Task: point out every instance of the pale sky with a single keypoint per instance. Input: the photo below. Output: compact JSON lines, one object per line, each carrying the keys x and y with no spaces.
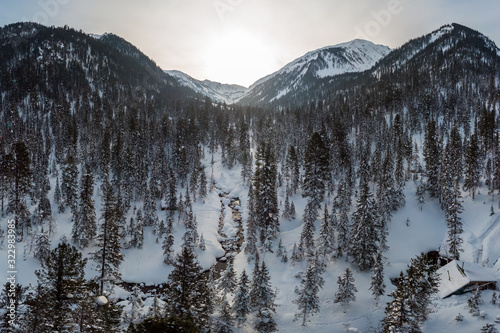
{"x":240,"y":41}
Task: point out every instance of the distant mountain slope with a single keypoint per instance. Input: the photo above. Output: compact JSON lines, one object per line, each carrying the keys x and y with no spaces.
{"x":301,"y":74}
{"x":219,"y":92}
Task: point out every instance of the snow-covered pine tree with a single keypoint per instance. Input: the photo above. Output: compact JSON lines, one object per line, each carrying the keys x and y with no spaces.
{"x":432,"y":153}
{"x":474,"y":301}
{"x":345,"y":293}
{"x":188,"y":294}
{"x":326,"y":240}
{"x":227,"y":282}
{"x":155,"y":311}
{"x":364,"y":236}
{"x":150,"y":215}
{"x":241,"y":301}
{"x":377,"y":284}
{"x":308,"y":293}
{"x":225,"y":320}
{"x":108,"y":255}
{"x":265,"y":296}
{"x":69,"y":185}
{"x":454,"y":223}
{"x":251,"y":227}
{"x":292,"y":165}
{"x":420,"y":195}
{"x":61,"y":274}
{"x":265,"y":195}
{"x":306,"y":245}
{"x":316,"y":171}
{"x":343,"y":201}
{"x":472,"y":166}
{"x":42,"y":246}
{"x":398,"y":313}
{"x":85,"y":223}
{"x":136,"y":305}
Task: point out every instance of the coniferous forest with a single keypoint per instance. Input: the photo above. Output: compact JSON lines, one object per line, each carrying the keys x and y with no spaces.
{"x":107,"y":162}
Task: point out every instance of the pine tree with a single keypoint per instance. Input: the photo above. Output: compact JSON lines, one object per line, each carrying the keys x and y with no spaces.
{"x":343,"y":226}
{"x":474,"y":301}
{"x":454,"y":223}
{"x":69,"y":185}
{"x":42,"y":246}
{"x":62,"y":286}
{"x":377,"y":284}
{"x":316,"y":170}
{"x":155,"y":309}
{"x":227,"y":282}
{"x":20,"y":175}
{"x":308,"y":298}
{"x":398,"y":313}
{"x":364,"y":235}
{"x":168,"y":243}
{"x":264,"y":296}
{"x":136,"y":305}
{"x":472,"y":166}
{"x":326,"y":241}
{"x":265,"y":195}
{"x":85,"y":224}
{"x":345,"y":293}
{"x":241,"y":302}
{"x":292,"y":164}
{"x":431,"y":156}
{"x":109,"y":256}
{"x":225,"y":320}
{"x":188,"y":294}
{"x":306,"y":245}
{"x":420,"y":195}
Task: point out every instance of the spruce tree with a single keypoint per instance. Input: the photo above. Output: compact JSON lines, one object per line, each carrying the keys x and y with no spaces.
{"x":431,"y":157}
{"x":377,"y":284}
{"x":316,"y":170}
{"x":108,"y":256}
{"x":472,"y":166}
{"x":345,"y":293}
{"x":265,"y":195}
{"x":265,"y":301}
{"x":306,"y":245}
{"x":241,"y":302}
{"x":308,"y":298}
{"x":454,"y":223}
{"x":364,"y":236}
{"x":326,"y":241}
{"x":69,"y":185}
{"x":398,"y":313}
{"x":62,"y":282}
{"x":85,"y":225}
{"x":188,"y":294}
{"x":225,"y":319}
{"x":227,"y":282}
{"x":19,"y":173}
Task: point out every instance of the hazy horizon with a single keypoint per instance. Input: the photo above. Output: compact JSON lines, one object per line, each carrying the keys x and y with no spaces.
{"x":241,"y":41}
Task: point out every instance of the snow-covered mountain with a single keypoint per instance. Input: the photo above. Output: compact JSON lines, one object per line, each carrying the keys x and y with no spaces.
{"x":350,"y":57}
{"x":219,"y":92}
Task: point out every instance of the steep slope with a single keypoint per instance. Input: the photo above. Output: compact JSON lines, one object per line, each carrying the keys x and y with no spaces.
{"x":301,"y":74}
{"x":219,"y":92}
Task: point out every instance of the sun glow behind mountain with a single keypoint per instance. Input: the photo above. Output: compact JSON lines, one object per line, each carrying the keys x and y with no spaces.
{"x":235,"y":54}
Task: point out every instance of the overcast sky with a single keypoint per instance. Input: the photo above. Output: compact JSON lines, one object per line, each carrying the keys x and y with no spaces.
{"x":240,"y":41}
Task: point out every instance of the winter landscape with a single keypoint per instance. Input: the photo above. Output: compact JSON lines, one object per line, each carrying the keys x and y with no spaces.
{"x":355,"y":189}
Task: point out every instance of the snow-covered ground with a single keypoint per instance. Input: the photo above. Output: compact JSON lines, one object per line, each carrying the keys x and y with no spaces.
{"x":411,"y":232}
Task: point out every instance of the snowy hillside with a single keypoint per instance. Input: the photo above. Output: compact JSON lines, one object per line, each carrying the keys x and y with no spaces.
{"x":218,"y":92}
{"x":354,"y":56}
